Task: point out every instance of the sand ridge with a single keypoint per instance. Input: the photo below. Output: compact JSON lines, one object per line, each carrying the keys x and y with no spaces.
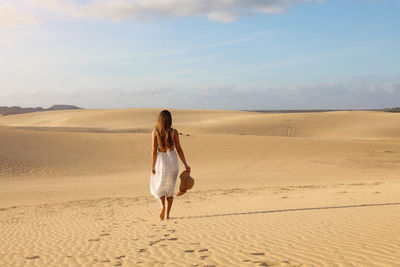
{"x":335,"y":124}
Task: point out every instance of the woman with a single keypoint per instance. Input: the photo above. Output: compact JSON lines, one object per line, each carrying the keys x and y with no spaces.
{"x":164,"y":167}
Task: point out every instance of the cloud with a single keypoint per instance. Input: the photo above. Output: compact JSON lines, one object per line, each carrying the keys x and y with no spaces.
{"x":353,"y":94}
{"x":117,"y":10}
{"x":10,"y":16}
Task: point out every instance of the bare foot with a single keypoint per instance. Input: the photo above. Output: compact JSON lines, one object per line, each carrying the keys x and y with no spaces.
{"x":162,"y":214}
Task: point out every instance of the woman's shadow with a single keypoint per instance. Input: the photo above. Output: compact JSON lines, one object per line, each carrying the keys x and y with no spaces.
{"x":291,"y":210}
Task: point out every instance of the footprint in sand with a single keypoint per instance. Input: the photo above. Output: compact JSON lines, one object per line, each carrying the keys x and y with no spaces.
{"x":32,"y":257}
{"x":142,"y":250}
{"x":120,"y":257}
{"x":105,"y":234}
{"x":94,"y":239}
{"x":189,"y":251}
{"x":203,"y":250}
{"x":173,"y":239}
{"x":152,"y":243}
{"x":258,"y":253}
{"x":118,"y":264}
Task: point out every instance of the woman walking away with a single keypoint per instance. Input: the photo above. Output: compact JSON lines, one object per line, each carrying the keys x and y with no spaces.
{"x":164,"y":167}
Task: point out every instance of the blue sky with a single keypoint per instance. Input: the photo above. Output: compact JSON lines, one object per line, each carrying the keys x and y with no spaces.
{"x":200,"y":54}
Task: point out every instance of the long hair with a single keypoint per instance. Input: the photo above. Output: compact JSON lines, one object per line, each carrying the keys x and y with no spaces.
{"x":163,"y":130}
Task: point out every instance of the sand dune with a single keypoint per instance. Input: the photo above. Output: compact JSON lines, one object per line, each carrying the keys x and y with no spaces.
{"x":304,"y":189}
{"x":336,"y":124}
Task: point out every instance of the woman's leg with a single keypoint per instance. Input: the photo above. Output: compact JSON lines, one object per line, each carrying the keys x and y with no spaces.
{"x":162,"y":214}
{"x":169,"y":200}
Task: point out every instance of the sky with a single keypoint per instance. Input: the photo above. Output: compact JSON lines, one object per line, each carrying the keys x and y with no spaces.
{"x":200,"y":54}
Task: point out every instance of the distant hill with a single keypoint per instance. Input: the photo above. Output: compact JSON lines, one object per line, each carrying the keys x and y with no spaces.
{"x":62,"y":107}
{"x":4,"y":111}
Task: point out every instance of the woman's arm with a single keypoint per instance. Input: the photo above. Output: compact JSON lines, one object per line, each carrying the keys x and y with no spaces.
{"x":180,"y":150}
{"x":154,"y":152}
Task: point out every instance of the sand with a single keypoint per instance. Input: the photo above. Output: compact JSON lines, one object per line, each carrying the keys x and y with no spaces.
{"x":303,"y":189}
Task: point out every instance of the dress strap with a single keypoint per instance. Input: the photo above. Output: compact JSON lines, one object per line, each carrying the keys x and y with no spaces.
{"x":173,"y":133}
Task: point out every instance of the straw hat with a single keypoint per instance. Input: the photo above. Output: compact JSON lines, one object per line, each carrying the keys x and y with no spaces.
{"x":187,"y":182}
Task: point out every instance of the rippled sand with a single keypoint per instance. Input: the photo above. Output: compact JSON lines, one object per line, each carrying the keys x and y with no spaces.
{"x":304,"y":189}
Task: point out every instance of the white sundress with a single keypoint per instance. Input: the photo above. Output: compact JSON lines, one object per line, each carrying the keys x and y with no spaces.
{"x":163,"y":182}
